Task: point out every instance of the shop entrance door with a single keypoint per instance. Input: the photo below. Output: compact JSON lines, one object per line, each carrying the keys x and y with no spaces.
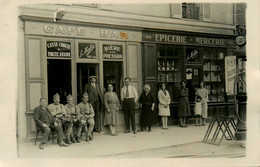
{"x":193,"y":77}
{"x":113,"y":75}
{"x":84,"y":71}
{"x":59,"y":79}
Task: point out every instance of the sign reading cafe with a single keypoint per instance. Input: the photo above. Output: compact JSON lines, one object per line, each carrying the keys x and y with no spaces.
{"x":58,"y":49}
{"x":112,"y":52}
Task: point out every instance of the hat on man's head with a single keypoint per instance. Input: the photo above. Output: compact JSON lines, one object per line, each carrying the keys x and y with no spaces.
{"x":69,"y":97}
{"x":93,"y":76}
{"x":85,"y":94}
{"x":56,"y":96}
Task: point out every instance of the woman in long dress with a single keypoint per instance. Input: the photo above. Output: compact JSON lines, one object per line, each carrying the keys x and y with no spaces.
{"x":147,"y":114}
{"x":112,"y":106}
{"x":203,"y":93}
{"x":183,"y":106}
{"x":164,"y":102}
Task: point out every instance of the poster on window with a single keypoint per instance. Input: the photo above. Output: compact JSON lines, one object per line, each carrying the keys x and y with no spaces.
{"x":192,"y":55}
{"x":58,"y":49}
{"x":112,"y":52}
{"x":87,"y":50}
{"x":230,"y":73}
{"x":188,"y":73}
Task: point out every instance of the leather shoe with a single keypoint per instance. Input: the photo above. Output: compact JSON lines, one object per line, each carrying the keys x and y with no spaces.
{"x":127,"y":131}
{"x":73,"y":140}
{"x":134,"y":132}
{"x":42,"y":146}
{"x":140,"y":130}
{"x":90,"y":137}
{"x":77,"y":140}
{"x":62,"y":144}
{"x":87,"y":138}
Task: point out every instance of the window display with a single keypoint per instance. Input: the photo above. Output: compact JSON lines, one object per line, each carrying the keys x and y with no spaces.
{"x":213,"y":77}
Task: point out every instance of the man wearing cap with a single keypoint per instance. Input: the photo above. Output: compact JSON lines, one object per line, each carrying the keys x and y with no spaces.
{"x":95,"y":99}
{"x":87,"y":116}
{"x":129,"y":98}
{"x":58,"y":111}
{"x":45,"y":121}
{"x":72,"y":115}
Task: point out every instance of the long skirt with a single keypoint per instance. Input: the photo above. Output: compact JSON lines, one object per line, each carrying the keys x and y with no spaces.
{"x":184,"y":107}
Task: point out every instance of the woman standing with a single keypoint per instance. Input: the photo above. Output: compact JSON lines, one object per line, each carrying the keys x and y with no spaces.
{"x":148,"y":103}
{"x":203,"y":93}
{"x":164,"y":102}
{"x":183,"y":106}
{"x":112,"y":106}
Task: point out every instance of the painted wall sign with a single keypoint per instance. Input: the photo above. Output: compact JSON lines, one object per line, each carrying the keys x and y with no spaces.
{"x":186,"y":39}
{"x":67,"y":30}
{"x":87,"y":50}
{"x":230,"y":72}
{"x":58,"y":49}
{"x":112,"y":51}
{"x":192,"y":55}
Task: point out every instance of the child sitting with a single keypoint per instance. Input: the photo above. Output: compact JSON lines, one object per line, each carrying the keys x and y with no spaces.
{"x":197,"y":111}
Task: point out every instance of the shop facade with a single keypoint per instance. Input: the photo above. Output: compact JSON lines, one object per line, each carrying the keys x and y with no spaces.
{"x":190,"y":57}
{"x":61,"y":57}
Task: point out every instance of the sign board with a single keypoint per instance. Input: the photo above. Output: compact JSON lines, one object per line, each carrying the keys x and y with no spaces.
{"x":187,"y":39}
{"x":58,"y":49}
{"x":87,"y":50}
{"x":230,"y":73}
{"x":112,"y":51}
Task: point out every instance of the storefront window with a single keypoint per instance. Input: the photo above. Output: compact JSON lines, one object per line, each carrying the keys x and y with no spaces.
{"x":169,"y":67}
{"x":213,"y":77}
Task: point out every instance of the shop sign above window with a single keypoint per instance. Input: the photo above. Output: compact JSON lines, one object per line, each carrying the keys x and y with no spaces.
{"x":58,"y":49}
{"x":112,"y":52}
{"x":87,"y":50}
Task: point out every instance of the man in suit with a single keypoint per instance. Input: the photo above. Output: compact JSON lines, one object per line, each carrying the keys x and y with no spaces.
{"x":95,"y":99}
{"x":129,"y":98}
{"x":45,"y":121}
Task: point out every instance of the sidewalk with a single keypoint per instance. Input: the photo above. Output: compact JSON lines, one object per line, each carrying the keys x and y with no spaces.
{"x":105,"y":145}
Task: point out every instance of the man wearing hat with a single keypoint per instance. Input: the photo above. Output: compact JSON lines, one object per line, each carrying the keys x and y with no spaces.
{"x":45,"y":121}
{"x":72,"y":115}
{"x":58,"y":111}
{"x":95,"y":99}
{"x":86,"y":116}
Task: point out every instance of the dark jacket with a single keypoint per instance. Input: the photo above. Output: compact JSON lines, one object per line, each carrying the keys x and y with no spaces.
{"x":42,"y":117}
{"x":94,"y":95}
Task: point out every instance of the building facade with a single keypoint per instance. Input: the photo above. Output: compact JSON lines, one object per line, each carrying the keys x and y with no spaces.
{"x":61,"y":45}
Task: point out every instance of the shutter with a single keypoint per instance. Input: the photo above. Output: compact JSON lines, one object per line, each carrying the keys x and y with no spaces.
{"x":206,"y":12}
{"x":176,"y":10}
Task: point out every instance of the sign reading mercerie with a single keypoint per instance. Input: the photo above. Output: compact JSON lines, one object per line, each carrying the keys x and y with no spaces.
{"x":58,"y":49}
{"x":186,"y":39}
{"x":112,"y":52}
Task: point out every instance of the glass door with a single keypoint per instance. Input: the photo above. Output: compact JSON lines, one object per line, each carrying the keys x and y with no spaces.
{"x":84,"y":71}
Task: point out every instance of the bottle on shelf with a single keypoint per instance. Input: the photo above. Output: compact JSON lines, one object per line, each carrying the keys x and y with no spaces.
{"x":172,"y":65}
{"x":159,"y":65}
{"x":167,"y":65}
{"x":167,"y":77}
{"x":163,"y":66}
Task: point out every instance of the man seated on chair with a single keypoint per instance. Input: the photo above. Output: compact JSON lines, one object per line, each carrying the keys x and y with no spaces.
{"x":73,"y":114}
{"x":87,"y":116}
{"x":58,"y":111}
{"x":45,"y":121}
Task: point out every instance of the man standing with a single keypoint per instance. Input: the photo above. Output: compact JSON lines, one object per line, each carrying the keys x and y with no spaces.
{"x":86,"y":116}
{"x":129,"y":98}
{"x":45,"y":122}
{"x":95,"y":99}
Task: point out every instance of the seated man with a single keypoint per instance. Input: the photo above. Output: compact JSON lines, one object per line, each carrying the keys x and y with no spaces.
{"x":72,"y":115}
{"x":58,"y":111}
{"x":45,"y":121}
{"x":87,"y":116}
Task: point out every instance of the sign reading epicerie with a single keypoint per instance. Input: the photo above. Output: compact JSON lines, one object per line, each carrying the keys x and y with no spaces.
{"x":58,"y":49}
{"x":185,"y":39}
{"x":112,"y":52}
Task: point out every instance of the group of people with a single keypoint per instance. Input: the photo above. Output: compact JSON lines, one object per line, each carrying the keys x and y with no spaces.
{"x":70,"y":120}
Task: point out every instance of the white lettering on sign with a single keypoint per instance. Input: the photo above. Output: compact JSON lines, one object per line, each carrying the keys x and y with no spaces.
{"x":112,"y":56}
{"x":170,"y":38}
{"x":209,"y":41}
{"x":64,"y":30}
{"x":113,"y":34}
{"x":112,"y":48}
{"x":192,"y":55}
{"x":58,"y":44}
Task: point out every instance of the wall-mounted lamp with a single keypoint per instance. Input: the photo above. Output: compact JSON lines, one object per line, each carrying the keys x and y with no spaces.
{"x":59,"y":14}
